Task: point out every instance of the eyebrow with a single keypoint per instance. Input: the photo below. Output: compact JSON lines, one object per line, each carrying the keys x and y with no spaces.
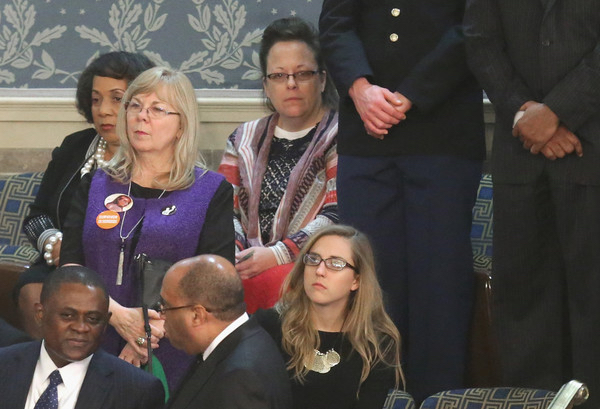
{"x":155,"y":102}
{"x":297,"y":66}
{"x":110,"y":90}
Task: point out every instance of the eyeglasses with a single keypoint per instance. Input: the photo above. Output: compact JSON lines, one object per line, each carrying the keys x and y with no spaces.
{"x":161,"y":309}
{"x":155,"y":112}
{"x":332,"y":263}
{"x":300,"y":76}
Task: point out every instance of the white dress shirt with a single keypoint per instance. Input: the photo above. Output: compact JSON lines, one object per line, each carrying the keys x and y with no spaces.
{"x":71,"y":374}
{"x":228,"y":330}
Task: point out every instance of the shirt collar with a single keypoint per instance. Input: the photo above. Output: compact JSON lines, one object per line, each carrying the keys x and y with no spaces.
{"x":228,"y":330}
{"x":71,"y":374}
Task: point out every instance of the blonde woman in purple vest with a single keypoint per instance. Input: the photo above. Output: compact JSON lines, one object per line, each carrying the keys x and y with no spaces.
{"x":178,"y":209}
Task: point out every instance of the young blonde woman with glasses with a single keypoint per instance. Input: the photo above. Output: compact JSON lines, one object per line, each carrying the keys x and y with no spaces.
{"x":342,"y":349}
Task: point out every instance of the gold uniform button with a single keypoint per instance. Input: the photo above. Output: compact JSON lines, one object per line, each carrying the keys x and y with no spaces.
{"x":395,"y":12}
{"x":393,"y":37}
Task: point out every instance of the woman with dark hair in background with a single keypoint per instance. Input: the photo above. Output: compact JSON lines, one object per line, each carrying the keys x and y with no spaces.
{"x":342,"y":349}
{"x":99,"y":91}
{"x":283,"y":167}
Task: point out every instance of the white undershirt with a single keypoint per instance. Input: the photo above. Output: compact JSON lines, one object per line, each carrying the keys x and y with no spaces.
{"x":228,"y":330}
{"x":72,"y":375}
{"x":290,"y":136}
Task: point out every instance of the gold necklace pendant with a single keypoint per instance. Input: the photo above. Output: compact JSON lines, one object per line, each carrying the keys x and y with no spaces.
{"x":323,"y":362}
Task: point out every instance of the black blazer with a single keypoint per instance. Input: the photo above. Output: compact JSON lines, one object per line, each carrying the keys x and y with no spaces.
{"x":245,"y":371}
{"x":427,"y":64}
{"x":109,"y":383}
{"x":542,"y":50}
{"x":62,"y":177}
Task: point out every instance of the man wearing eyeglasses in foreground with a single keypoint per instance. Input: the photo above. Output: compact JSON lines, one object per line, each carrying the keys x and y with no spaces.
{"x":67,"y":370}
{"x":239,"y":365}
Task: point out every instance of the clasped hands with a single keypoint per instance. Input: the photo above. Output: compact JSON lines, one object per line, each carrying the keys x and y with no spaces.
{"x":129,"y":323}
{"x":379,"y":108}
{"x":540,"y":131}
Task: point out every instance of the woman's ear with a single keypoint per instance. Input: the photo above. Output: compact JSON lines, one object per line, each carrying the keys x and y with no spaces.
{"x":266,"y":88}
{"x":355,"y":283}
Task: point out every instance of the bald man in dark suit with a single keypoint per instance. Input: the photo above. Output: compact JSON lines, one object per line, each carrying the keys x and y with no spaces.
{"x":239,"y":366}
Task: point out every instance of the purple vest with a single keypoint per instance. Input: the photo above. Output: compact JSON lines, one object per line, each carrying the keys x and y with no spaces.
{"x":169,"y":237}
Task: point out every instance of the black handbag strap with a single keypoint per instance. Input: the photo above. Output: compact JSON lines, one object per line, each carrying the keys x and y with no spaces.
{"x":141,"y":260}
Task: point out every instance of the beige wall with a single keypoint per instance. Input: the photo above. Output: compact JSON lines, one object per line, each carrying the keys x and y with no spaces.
{"x":33,"y":122}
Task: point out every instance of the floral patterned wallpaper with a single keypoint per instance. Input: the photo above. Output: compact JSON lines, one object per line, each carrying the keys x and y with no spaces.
{"x":47,"y":43}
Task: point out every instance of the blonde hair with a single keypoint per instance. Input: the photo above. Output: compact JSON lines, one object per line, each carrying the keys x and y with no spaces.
{"x":367,"y":326}
{"x":174,"y":88}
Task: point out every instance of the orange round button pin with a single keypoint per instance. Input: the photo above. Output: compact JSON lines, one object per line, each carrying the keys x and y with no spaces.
{"x":108,"y":219}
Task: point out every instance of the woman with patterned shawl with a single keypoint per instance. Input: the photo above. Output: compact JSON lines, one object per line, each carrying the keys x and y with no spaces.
{"x":283,"y":166}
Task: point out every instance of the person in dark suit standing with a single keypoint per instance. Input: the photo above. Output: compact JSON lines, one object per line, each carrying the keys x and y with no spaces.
{"x":66,"y":369}
{"x":239,"y":365}
{"x":410,"y":145}
{"x":539,"y":62}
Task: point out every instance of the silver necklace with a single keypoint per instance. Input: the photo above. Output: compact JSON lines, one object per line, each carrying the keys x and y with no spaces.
{"x":123,"y":238}
{"x":323,"y":362}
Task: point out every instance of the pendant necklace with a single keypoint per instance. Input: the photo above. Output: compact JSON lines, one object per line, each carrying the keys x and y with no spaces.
{"x":323,"y":362}
{"x":123,"y":238}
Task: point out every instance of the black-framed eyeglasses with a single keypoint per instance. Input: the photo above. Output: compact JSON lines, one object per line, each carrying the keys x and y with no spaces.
{"x":161,"y":309}
{"x":300,"y":76}
{"x":155,"y":112}
{"x":332,"y":263}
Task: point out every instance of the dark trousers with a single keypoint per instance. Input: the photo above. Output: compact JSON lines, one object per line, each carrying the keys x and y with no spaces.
{"x":417,"y":212}
{"x":546,"y":284}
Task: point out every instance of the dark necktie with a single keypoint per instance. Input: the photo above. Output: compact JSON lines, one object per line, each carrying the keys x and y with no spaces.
{"x":49,"y":399}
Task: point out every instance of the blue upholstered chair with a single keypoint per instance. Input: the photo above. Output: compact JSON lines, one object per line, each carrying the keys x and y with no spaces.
{"x":398,"y":399}
{"x":17,"y":192}
{"x":481,"y":228}
{"x":572,"y":393}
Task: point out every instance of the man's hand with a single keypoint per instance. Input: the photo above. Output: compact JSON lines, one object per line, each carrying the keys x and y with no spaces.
{"x":406,"y":104}
{"x":562,"y":143}
{"x":379,"y":108}
{"x":536,"y":127}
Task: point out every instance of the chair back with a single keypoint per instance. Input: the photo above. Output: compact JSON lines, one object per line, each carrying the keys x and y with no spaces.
{"x":570,"y":394}
{"x":398,"y":399}
{"x":490,"y":398}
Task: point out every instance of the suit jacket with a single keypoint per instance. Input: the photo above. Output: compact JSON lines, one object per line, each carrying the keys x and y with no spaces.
{"x":109,"y":383}
{"x":426,"y":63}
{"x":547,"y":51}
{"x":244,"y":371}
{"x":10,"y":335}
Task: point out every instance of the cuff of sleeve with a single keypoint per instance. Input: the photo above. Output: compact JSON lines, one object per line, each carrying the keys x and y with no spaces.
{"x":281,"y":253}
{"x":518,"y":116}
{"x":36,"y":226}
